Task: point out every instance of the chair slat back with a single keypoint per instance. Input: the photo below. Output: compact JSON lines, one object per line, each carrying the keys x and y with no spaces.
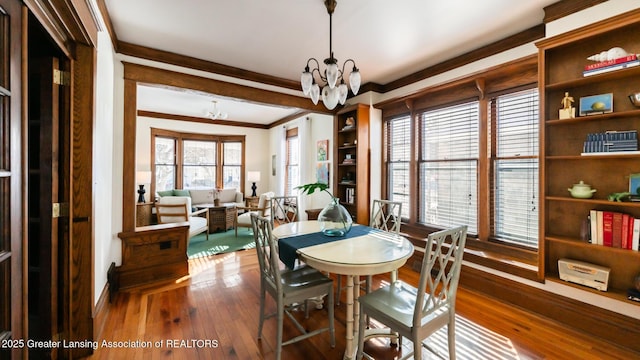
{"x":385,"y":215}
{"x":264,"y":204}
{"x":440,"y":271}
{"x":171,"y":213}
{"x":267,"y":250}
{"x":284,"y":209}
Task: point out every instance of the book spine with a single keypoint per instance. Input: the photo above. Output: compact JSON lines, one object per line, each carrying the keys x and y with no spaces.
{"x":600,"y":224}
{"x":593,"y":219}
{"x":625,"y":231}
{"x":616,"y":230}
{"x":611,"y":68}
{"x":607,"y":63}
{"x":607,"y":228}
{"x":635,"y":242}
{"x":630,"y":233}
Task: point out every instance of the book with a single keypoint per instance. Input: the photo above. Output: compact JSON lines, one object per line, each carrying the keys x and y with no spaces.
{"x":599,"y":220}
{"x":635,"y":240}
{"x":593,"y":219}
{"x":616,"y":230}
{"x":607,"y":63}
{"x":605,"y":69}
{"x":624,"y":238}
{"x":607,"y":228}
{"x":630,"y":233}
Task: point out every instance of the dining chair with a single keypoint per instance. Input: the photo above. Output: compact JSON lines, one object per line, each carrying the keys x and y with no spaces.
{"x":244,"y":219}
{"x":289,"y":288}
{"x":418,"y":313}
{"x":284,"y":210}
{"x":385,"y":216}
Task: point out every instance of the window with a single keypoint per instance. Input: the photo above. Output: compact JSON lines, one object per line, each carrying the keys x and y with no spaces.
{"x":515,"y":168}
{"x":196,"y":161}
{"x":475,"y":162}
{"x":199,"y":164}
{"x":292,"y":176}
{"x":448,"y":168}
{"x":399,"y":152}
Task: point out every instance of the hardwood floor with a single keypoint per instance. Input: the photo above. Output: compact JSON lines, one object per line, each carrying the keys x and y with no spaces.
{"x":213,"y":314}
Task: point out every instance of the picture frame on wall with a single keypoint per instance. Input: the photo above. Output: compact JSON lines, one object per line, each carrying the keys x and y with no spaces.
{"x":322,"y":150}
{"x":634,"y":184}
{"x":322,"y":173}
{"x":596,"y":104}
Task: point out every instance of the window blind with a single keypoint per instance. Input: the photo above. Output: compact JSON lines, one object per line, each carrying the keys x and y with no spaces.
{"x":515,"y":189}
{"x":165,"y":163}
{"x":448,"y":166}
{"x":231,"y":164}
{"x":398,"y":160}
{"x":293,"y":170}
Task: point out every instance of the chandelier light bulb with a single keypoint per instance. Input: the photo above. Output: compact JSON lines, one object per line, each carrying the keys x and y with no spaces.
{"x":354,"y":80}
{"x":330,"y":97}
{"x":343,"y":91}
{"x":306,"y":79}
{"x":314,"y":93}
{"x":332,"y":73}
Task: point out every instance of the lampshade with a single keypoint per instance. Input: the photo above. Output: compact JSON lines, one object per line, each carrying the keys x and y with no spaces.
{"x":253,"y":176}
{"x":143,"y":177}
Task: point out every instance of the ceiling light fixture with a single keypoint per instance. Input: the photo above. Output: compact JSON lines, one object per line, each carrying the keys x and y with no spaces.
{"x":333,"y":92}
{"x":216,"y":114}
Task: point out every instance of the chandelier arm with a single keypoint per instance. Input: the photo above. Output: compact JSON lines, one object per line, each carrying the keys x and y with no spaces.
{"x":317,"y":69}
{"x":345,"y":64}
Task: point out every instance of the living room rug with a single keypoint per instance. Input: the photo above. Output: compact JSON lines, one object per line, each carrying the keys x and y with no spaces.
{"x":219,"y":243}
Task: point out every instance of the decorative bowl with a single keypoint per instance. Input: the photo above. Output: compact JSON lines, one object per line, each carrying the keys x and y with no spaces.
{"x":635,"y":99}
{"x":581,"y":190}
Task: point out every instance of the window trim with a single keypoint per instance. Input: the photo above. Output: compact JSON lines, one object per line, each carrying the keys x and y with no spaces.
{"x":179,"y":137}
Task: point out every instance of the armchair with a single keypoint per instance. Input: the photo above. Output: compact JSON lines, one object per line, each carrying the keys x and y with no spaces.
{"x":171,"y":209}
{"x":263,"y":210}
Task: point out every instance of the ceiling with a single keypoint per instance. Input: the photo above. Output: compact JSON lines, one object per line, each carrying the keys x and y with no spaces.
{"x":277,"y":37}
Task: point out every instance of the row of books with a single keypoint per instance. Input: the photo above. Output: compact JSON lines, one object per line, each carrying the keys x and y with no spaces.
{"x":614,"y":229}
{"x":350,"y":195}
{"x":611,"y":141}
{"x":611,"y":65}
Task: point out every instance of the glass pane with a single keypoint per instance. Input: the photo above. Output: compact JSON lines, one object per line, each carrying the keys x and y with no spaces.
{"x":199,"y":176}
{"x":231,"y":177}
{"x":165,"y":177}
{"x":451,"y":133}
{"x":165,"y":151}
{"x":517,"y":127}
{"x":199,"y":153}
{"x":232,"y":153}
{"x":399,"y":147}
{"x":449,"y":193}
{"x":517,"y":196}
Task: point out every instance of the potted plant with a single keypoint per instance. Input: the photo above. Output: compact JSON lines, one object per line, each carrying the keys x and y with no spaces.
{"x":334,"y":219}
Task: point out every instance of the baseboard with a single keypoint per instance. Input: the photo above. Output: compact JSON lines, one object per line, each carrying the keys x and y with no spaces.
{"x":101,"y":312}
{"x":599,"y":323}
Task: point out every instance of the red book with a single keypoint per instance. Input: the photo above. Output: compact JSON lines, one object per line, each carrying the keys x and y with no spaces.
{"x":607,"y":228}
{"x":616,"y":229}
{"x":630,"y":236}
{"x":625,"y":231}
{"x":619,"y":60}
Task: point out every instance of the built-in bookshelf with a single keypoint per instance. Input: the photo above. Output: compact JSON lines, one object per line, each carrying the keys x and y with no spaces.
{"x":351,"y":163}
{"x":563,"y":218}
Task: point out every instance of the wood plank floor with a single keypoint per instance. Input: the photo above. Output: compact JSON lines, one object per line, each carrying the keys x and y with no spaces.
{"x":213,"y":314}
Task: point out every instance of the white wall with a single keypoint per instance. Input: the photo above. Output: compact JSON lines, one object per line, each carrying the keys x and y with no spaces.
{"x":104,"y":207}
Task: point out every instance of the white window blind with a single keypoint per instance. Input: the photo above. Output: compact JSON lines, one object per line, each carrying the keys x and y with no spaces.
{"x":448,"y":167}
{"x":199,"y":164}
{"x":516,"y":168}
{"x":398,"y":159}
{"x":293,"y":172}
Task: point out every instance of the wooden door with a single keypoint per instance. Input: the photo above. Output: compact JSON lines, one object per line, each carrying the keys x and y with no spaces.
{"x":11,"y":259}
{"x":48,"y":225}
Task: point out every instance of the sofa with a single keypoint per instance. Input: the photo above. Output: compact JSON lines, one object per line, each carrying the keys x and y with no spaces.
{"x":207,"y":196}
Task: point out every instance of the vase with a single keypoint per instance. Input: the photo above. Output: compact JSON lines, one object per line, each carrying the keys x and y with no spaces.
{"x":334,"y":219}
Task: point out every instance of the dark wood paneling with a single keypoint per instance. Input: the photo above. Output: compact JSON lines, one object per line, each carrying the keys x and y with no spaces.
{"x":129,"y":157}
{"x":563,"y":8}
{"x":157,"y":115}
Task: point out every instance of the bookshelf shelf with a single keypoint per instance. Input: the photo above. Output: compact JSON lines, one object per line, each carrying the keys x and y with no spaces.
{"x":609,"y":116}
{"x":613,"y":293}
{"x":592,"y":201}
{"x":595,"y":79}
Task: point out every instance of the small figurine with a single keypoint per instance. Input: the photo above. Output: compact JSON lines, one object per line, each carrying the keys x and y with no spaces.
{"x":567,"y":111}
{"x":621,"y":196}
{"x":611,"y":54}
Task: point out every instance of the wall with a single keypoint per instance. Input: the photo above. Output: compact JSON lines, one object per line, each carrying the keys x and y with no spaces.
{"x":104,"y":171}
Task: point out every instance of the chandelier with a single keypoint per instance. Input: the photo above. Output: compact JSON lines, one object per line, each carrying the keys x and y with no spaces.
{"x":334,"y":91}
{"x":216,"y":114}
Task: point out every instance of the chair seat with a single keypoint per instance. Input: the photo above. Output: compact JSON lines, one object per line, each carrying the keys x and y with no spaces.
{"x":301,"y":278}
{"x":196,"y":224}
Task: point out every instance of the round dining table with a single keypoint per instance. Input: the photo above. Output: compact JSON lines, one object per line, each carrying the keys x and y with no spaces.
{"x":374,"y":252}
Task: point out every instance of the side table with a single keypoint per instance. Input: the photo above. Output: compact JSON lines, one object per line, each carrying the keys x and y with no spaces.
{"x":143,"y":214}
{"x":251,"y":201}
{"x":221,"y":218}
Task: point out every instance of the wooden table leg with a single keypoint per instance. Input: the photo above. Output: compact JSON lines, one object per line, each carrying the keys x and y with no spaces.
{"x":349,"y":351}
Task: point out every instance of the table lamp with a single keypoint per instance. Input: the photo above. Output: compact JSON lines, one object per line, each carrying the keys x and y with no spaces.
{"x":142,"y":177}
{"x":253,"y":177}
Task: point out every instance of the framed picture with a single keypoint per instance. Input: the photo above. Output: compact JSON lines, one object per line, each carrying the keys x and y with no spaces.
{"x":322,"y":173}
{"x":634,"y":184}
{"x":273,"y":165}
{"x":596,"y":104}
{"x":323,"y":150}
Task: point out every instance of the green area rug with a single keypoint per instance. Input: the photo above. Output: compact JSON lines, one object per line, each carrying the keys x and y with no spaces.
{"x":219,"y":243}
